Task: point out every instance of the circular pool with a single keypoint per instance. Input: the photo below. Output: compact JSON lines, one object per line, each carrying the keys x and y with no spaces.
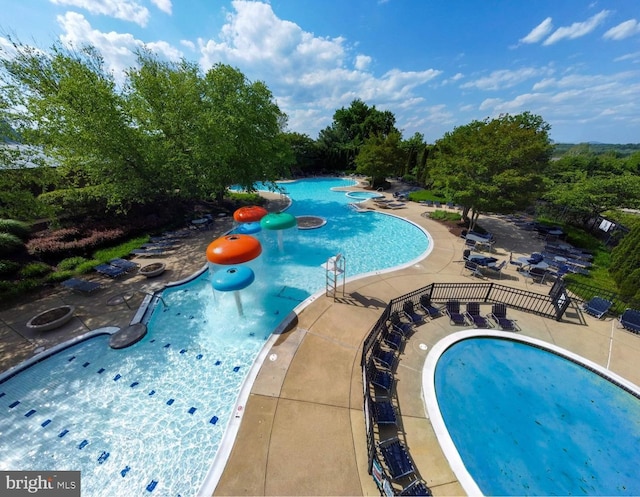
{"x":522,"y":417}
{"x":363,"y":195}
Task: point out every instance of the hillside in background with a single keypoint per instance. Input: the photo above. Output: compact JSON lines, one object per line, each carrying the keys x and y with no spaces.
{"x":621,"y":150}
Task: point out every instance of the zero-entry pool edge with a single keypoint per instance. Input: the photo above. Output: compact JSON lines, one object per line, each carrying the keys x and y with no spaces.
{"x":432,"y":408}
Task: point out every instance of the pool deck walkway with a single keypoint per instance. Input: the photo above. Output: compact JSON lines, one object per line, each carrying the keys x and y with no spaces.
{"x":303,"y":429}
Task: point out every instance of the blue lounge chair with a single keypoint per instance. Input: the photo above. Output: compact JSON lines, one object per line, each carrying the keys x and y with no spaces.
{"x":431,"y":310}
{"x":403,"y":327}
{"x":392,"y":339}
{"x":409,"y":310}
{"x":81,"y":286}
{"x":110,"y":271}
{"x":473,"y":313}
{"x":597,"y":307}
{"x":452,"y":308}
{"x":385,"y":358}
{"x":396,"y":458}
{"x":499,"y":315}
{"x":630,"y":320}
{"x":417,"y":487}
{"x":384,"y":412}
{"x":380,"y":378}
{"x":128,"y":266}
{"x":473,"y":267}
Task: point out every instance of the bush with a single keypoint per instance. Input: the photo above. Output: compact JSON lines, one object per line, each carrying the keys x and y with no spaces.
{"x":245,"y":198}
{"x":59,"y":276}
{"x":17,"y":228}
{"x":68,"y":241}
{"x":71,"y":263}
{"x":35,"y":270}
{"x":8,"y":268}
{"x":87,"y":266}
{"x":9,"y":243}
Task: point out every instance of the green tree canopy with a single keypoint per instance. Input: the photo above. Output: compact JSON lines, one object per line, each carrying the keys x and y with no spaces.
{"x":168,"y":131}
{"x":340,"y":142}
{"x":379,"y":156}
{"x":495,"y":165}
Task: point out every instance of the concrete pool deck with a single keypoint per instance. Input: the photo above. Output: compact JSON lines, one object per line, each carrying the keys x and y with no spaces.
{"x":303,"y":430}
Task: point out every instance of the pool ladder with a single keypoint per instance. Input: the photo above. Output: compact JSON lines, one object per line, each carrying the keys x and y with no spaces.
{"x":335,"y":270}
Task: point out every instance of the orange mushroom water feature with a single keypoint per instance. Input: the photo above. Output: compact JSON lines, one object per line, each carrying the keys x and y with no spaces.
{"x":249,"y":214}
{"x":232,"y":250}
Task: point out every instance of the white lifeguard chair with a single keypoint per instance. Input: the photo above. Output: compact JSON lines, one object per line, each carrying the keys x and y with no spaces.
{"x":335,"y":275}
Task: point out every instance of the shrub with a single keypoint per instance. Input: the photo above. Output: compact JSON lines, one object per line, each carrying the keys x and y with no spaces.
{"x":245,"y":198}
{"x":8,"y":268}
{"x":35,"y":270}
{"x":17,"y":228}
{"x":70,"y":263}
{"x":59,"y":276}
{"x":87,"y":266}
{"x":68,"y":241}
{"x":9,"y":243}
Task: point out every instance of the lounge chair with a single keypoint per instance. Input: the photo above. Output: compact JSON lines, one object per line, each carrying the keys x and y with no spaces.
{"x":473,"y":267}
{"x":537,"y":274}
{"x":431,"y":310}
{"x":417,"y":487}
{"x":597,"y":307}
{"x":496,"y":270}
{"x":380,"y":378}
{"x":383,"y":412}
{"x":386,"y":358}
{"x":392,"y":339}
{"x":473,"y":313}
{"x":499,"y":315}
{"x":81,"y":286}
{"x":409,"y":310}
{"x":452,"y":308}
{"x":110,"y":271}
{"x":630,"y":320}
{"x":128,"y":266}
{"x":396,"y":458}
{"x":402,"y":327}
{"x":149,"y":252}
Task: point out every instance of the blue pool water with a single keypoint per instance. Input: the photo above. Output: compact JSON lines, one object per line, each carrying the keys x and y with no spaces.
{"x":149,"y":419}
{"x":526,"y":421}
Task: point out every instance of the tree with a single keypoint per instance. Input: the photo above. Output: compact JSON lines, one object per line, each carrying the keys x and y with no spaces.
{"x":493,"y":165}
{"x":379,"y":156}
{"x":167,"y":132}
{"x":340,"y":142}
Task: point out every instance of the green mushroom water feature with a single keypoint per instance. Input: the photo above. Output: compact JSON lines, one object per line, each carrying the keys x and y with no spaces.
{"x":278,"y":221}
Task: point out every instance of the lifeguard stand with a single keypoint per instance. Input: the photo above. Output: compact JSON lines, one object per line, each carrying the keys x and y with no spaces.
{"x":335,"y":275}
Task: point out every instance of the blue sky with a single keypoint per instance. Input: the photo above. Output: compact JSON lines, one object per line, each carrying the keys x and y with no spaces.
{"x":435,"y":64}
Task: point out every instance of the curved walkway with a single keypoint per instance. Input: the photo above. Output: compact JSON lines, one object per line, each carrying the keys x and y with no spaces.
{"x":302,"y":431}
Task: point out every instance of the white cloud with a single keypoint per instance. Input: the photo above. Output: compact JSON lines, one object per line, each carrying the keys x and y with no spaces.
{"x":362,"y":62}
{"x":163,"y":5}
{"x":189,"y":44}
{"x":623,"y":30}
{"x":577,"y":29}
{"x":539,"y":32}
{"x":505,"y":78}
{"x":116,"y":48}
{"x":634,"y":57}
{"x":125,"y":10}
{"x":304,"y":70}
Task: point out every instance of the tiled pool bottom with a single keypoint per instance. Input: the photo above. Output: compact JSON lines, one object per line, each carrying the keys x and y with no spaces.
{"x":116,"y":454}
{"x":515,"y":419}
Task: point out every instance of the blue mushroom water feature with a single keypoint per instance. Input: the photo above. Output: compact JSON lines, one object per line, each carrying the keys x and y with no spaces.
{"x":278,"y":221}
{"x":227,"y":254}
{"x":233,"y":279}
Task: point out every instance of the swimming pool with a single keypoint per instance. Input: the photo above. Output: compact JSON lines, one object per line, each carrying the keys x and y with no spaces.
{"x":151,"y":418}
{"x":518,"y":418}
